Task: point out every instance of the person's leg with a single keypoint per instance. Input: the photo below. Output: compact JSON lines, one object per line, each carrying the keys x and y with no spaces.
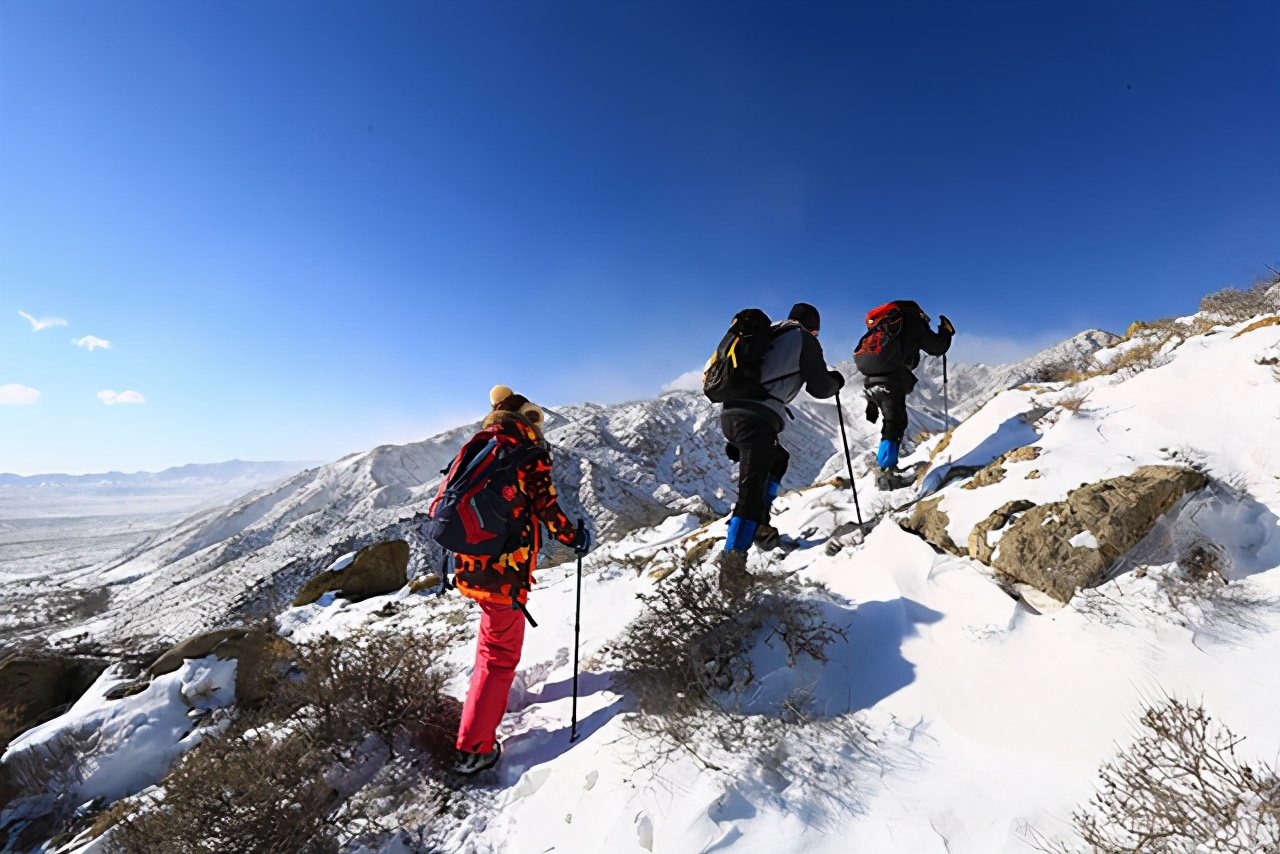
{"x":757,"y":445}
{"x":498,"y":646}
{"x":767,"y":536}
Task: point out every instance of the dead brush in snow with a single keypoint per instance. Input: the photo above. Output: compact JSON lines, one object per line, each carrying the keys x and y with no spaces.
{"x":1233,"y":305}
{"x":275,"y":781}
{"x":1179,"y":789}
{"x":687,"y":658}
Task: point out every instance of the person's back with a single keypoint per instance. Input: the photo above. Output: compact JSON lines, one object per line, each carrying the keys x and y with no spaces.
{"x":887,"y":356}
{"x":794,"y":361}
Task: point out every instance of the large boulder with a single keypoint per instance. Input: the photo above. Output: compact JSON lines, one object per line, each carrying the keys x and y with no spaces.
{"x":1062,"y":547}
{"x":375,"y":570}
{"x":34,"y":689}
{"x":258,"y":654}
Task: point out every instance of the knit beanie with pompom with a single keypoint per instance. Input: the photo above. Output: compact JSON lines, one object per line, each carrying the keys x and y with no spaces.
{"x":503,"y":399}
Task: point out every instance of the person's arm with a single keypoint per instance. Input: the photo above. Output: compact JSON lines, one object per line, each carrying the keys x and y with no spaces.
{"x":540,"y":490}
{"x":819,"y":380}
{"x":936,"y":343}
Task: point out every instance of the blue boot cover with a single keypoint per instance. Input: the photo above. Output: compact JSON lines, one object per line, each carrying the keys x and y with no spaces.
{"x":741,"y":534}
{"x":770,"y":494}
{"x":887,"y":456}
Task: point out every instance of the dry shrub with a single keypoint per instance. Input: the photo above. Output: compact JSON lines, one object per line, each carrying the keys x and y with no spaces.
{"x":1072,"y":402}
{"x":1137,"y":357}
{"x":273,"y":784}
{"x":1274,"y":320}
{"x":1069,"y":367}
{"x":1180,"y":788}
{"x":687,"y":658}
{"x":1232,"y":305}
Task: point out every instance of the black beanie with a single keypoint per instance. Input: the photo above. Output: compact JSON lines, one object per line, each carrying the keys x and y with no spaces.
{"x":807,"y":315}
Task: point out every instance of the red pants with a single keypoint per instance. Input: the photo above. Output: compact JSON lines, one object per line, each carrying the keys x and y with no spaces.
{"x":497,"y":654}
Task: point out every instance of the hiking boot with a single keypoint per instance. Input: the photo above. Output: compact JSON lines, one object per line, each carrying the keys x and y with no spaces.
{"x":767,"y":537}
{"x":469,"y":764}
{"x":887,"y":480}
{"x":735,"y":581}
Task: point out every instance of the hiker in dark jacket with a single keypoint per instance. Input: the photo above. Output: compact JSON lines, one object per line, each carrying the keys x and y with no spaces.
{"x":897,"y":332}
{"x":793,"y":361}
{"x":498,"y":583}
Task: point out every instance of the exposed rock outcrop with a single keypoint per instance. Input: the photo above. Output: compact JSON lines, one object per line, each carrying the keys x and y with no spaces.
{"x":33,"y":689}
{"x":258,"y":655}
{"x":979,"y":548}
{"x":930,"y":523}
{"x":1064,"y":546}
{"x":376,"y":569}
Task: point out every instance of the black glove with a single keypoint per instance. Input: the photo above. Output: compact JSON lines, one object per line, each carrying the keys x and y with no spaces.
{"x":838,"y":377}
{"x":731,"y":451}
{"x":873,"y":411}
{"x":582,"y":540}
{"x":944,"y":325}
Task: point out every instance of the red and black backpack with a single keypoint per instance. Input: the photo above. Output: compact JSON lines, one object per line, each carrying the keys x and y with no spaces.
{"x":880,"y":351}
{"x":474,"y":511}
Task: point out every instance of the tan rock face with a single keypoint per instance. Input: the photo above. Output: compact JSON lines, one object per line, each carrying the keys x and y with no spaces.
{"x":978,"y":547}
{"x":995,"y":472}
{"x":1051,"y":547}
{"x":258,"y":654}
{"x":34,"y":689}
{"x":931,"y":524}
{"x":377,"y":569}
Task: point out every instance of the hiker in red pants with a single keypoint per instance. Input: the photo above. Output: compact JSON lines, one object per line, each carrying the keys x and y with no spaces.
{"x":501,"y":583}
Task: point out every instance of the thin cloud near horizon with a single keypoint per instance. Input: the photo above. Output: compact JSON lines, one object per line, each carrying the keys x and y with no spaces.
{"x":17,"y":394}
{"x":110,"y":398}
{"x":91,"y":343}
{"x":38,"y":324}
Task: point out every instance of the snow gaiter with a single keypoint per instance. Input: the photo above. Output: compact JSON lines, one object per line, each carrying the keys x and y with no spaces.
{"x":742,"y":532}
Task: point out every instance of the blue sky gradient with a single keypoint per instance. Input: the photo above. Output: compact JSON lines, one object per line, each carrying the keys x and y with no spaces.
{"x":310,"y":228}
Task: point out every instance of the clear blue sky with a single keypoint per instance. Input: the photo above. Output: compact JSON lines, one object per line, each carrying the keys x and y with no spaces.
{"x":309,"y":228}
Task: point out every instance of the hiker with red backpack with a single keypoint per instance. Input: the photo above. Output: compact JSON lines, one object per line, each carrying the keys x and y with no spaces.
{"x":489,"y":512}
{"x":756,"y":371}
{"x":886,"y":355}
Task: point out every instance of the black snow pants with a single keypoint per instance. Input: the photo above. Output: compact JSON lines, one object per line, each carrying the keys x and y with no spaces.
{"x":753,"y":442}
{"x":891,"y":400}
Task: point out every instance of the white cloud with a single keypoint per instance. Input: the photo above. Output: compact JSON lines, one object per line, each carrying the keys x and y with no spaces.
{"x":92,"y":342}
{"x":990,"y":350}
{"x":42,"y":323}
{"x":15,"y":394}
{"x":688,"y":381}
{"x":110,"y":397}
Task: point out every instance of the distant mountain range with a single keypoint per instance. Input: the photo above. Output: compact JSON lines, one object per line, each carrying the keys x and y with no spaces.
{"x":192,"y":473}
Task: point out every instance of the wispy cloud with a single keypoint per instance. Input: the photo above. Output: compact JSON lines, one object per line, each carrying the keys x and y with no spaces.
{"x":43,"y":322}
{"x":92,"y":342}
{"x":111,"y":398}
{"x":16,"y":394}
{"x":688,"y":381}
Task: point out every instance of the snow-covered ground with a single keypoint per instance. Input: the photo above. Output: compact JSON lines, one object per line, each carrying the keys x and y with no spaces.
{"x":952,"y":718}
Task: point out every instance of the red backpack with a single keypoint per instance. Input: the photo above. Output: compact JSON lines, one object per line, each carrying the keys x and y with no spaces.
{"x":474,"y":511}
{"x":880,"y":351}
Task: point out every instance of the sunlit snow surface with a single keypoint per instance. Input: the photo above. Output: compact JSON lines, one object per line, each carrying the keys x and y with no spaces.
{"x":990,"y":720}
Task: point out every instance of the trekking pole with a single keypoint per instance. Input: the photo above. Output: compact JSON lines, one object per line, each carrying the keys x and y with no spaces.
{"x":848,"y":459}
{"x":946,"y":405}
{"x":577,"y":631}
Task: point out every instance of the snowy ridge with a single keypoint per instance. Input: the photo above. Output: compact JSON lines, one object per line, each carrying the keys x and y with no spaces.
{"x":952,"y":717}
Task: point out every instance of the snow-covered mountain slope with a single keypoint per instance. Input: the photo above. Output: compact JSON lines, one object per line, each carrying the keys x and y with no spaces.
{"x":949,"y":717}
{"x":982,"y":721}
{"x":623,"y":467}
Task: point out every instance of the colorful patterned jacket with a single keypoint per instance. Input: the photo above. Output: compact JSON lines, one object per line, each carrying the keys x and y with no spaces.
{"x":493,"y":579}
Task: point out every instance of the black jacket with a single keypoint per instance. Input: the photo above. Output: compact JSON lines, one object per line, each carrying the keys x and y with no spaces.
{"x":794,"y":360}
{"x":916,"y":336}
